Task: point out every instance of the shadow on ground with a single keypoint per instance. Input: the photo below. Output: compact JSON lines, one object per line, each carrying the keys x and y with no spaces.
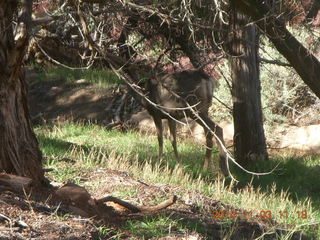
{"x":210,"y":229}
{"x":191,"y":158}
{"x":299,"y":176}
{"x":57,"y":100}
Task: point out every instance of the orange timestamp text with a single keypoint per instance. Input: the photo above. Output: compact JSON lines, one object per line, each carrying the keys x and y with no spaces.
{"x":263,"y":214}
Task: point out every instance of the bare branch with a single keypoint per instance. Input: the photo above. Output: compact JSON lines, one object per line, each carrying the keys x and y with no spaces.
{"x":57,"y":62}
{"x":43,"y":21}
{"x":276,"y":62}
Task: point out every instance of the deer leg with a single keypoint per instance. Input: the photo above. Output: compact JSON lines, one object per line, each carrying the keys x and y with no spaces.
{"x":173,"y":134}
{"x":221,"y":145}
{"x":223,"y":157}
{"x":209,"y":144}
{"x":158,"y":123}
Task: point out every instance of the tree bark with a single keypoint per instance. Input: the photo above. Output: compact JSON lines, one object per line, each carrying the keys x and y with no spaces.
{"x":19,"y":150}
{"x":302,"y":60}
{"x":249,"y":138}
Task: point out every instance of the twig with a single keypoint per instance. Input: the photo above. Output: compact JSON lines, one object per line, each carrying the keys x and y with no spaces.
{"x":57,"y":62}
{"x":11,"y":229}
{"x":5,"y":217}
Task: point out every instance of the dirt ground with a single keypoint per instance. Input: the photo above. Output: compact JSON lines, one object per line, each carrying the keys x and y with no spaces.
{"x":37,"y":216}
{"x":54,"y":100}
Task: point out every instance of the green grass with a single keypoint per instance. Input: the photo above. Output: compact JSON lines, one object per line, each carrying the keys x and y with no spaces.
{"x":56,"y":140}
{"x":155,"y":226}
{"x":293,"y":187}
{"x":101,"y":78}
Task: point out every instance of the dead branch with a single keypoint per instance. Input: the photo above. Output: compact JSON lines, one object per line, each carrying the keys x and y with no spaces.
{"x":136,"y":209}
{"x":57,"y":62}
{"x":78,"y":201}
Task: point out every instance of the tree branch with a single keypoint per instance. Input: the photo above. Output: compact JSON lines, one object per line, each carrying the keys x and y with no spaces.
{"x":276,"y":62}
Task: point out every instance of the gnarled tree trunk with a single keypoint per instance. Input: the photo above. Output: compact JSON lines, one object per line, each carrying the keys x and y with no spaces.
{"x":249,"y":138}
{"x":19,"y":150}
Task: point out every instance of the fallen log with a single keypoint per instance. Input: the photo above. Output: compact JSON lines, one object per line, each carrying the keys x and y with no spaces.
{"x":80,"y":202}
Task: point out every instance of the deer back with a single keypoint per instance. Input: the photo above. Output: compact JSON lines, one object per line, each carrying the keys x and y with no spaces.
{"x":178,"y":90}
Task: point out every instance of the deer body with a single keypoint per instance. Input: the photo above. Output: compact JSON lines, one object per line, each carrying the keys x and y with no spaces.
{"x":174,"y":94}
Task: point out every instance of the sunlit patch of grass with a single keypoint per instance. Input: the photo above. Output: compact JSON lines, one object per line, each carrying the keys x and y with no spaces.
{"x":101,"y":78}
{"x":66,"y":135}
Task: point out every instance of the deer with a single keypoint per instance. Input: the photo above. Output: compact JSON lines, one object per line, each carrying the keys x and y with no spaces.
{"x":183,"y":94}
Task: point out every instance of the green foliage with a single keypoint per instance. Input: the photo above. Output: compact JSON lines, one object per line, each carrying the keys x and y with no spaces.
{"x":284,"y":95}
{"x":222,"y":94}
{"x":279,"y":86}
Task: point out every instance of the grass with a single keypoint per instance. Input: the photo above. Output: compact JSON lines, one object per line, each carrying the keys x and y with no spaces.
{"x":108,"y":233}
{"x":295,"y":175}
{"x":292,"y":188}
{"x":101,"y":79}
{"x":56,"y":139}
{"x":155,"y":226}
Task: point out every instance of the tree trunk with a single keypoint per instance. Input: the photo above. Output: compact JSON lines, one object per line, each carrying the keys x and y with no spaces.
{"x":249,"y":138}
{"x":19,"y":150}
{"x":303,"y":61}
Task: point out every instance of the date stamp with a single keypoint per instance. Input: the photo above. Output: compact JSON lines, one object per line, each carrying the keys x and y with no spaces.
{"x":263,"y":214}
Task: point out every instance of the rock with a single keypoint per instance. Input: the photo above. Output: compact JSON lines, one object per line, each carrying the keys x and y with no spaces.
{"x":21,"y":224}
{"x":80,"y":81}
{"x":304,"y":138}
